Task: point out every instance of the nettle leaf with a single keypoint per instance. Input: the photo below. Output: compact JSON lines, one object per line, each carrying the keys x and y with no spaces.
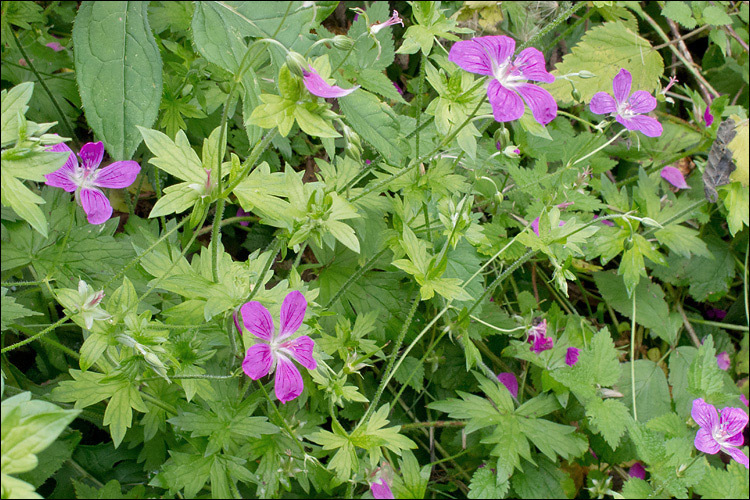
{"x":604,"y":50}
{"x":12,"y":310}
{"x":610,"y":418}
{"x":544,"y":480}
{"x":119,"y":72}
{"x":729,"y":483}
{"x":487,"y":484}
{"x":704,"y":376}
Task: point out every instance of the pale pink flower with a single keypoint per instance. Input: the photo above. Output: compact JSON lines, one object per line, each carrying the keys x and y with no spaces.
{"x":86,"y":178}
{"x":390,"y":22}
{"x":275,"y":351}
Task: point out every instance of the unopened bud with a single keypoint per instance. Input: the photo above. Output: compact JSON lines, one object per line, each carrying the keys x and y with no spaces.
{"x":296,"y":63}
{"x":343,"y":42}
{"x":576,"y":95}
{"x":585,"y":74}
{"x":512,"y":151}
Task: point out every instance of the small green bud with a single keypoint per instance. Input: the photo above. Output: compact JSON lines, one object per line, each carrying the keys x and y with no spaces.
{"x":343,"y":42}
{"x":585,"y":74}
{"x":576,"y":95}
{"x":296,"y":63}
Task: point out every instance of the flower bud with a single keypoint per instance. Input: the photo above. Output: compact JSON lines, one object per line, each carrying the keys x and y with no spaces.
{"x":576,"y":95}
{"x":512,"y":151}
{"x":296,"y":63}
{"x":585,"y":74}
{"x":343,"y":42}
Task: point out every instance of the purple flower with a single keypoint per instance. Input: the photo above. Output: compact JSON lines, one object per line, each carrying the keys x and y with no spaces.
{"x":242,"y":213}
{"x":674,"y":176}
{"x":538,"y":338}
{"x":716,"y":314}
{"x":605,"y":221}
{"x":571,"y":356}
{"x":317,"y":86}
{"x":275,"y":350}
{"x":55,"y":46}
{"x":716,"y":433}
{"x":398,"y":89}
{"x":84,"y":179}
{"x":510,"y":382}
{"x":390,"y":22}
{"x":381,"y":490}
{"x":743,"y":398}
{"x":722,"y":359}
{"x":637,"y":471}
{"x":535,"y":225}
{"x":628,"y":108}
{"x":491,"y":56}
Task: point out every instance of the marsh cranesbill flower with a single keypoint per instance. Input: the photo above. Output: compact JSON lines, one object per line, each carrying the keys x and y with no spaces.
{"x":86,"y":178}
{"x":722,"y":359}
{"x":538,"y":338}
{"x":381,"y":490}
{"x":571,"y":356}
{"x":491,"y":56}
{"x":510,"y":382}
{"x":315,"y":84}
{"x":242,"y":213}
{"x":637,"y":471}
{"x":674,"y":176}
{"x":628,"y":109}
{"x":390,"y":22}
{"x":716,"y":433}
{"x":275,"y":351}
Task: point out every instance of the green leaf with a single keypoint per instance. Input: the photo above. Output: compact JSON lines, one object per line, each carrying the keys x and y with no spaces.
{"x":716,"y":16}
{"x":602,"y":359}
{"x":704,"y":376}
{"x":414,"y":479}
{"x":410,"y":372}
{"x":610,"y":418}
{"x":554,"y":439}
{"x":682,"y":240}
{"x":374,"y":122}
{"x":313,"y":124}
{"x":651,"y":389}
{"x":119,"y":72}
{"x":176,"y":199}
{"x":14,"y":102}
{"x":174,"y":157}
{"x":736,"y":198}
{"x":486,"y":484}
{"x":377,"y":81}
{"x":14,"y":194}
{"x":12,"y":310}
{"x":119,"y":414}
{"x":28,"y":427}
{"x":344,"y":233}
{"x":542,"y":481}
{"x":636,"y":487}
{"x":729,"y":483}
{"x":651,"y":309}
{"x":604,"y":50}
{"x":680,"y":12}
{"x":679,"y":363}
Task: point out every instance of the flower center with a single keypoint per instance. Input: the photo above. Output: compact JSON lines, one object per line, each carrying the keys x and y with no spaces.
{"x":719,"y":434}
{"x":624,"y":109}
{"x":84,"y":177}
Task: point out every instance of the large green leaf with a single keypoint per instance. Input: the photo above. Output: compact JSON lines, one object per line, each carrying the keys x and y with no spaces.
{"x":651,"y":389}
{"x":604,"y":50}
{"x":119,"y":72}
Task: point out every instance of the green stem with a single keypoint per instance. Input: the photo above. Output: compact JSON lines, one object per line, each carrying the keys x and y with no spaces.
{"x":36,"y":336}
{"x":727,"y":326}
{"x":632,"y":359}
{"x":390,"y":370}
{"x":618,"y":134}
{"x":574,"y":117}
{"x":281,"y":419}
{"x":51,"y":342}
{"x":354,"y":277}
{"x":250,"y":162}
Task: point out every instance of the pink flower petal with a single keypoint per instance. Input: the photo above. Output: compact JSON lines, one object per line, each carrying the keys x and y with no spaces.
{"x":510,"y":382}
{"x":292,"y":313}
{"x":91,"y":154}
{"x":257,"y":320}
{"x":301,"y":349}
{"x":571,"y":356}
{"x":258,"y":361}
{"x":289,"y":382}
{"x":744,"y":400}
{"x":96,"y":205}
{"x":642,"y":102}
{"x":650,"y":127}
{"x":738,"y":455}
{"x":736,"y":440}
{"x":704,"y":414}
{"x":530,"y":63}
{"x":602,"y":104}
{"x":705,"y":442}
{"x":722,"y":359}
{"x":733,"y":420}
{"x":708,"y":117}
{"x":637,"y":471}
{"x":118,"y":175}
{"x":535,"y":226}
{"x":242,"y":213}
{"x":61,"y":177}
{"x":506,"y":104}
{"x":381,"y":490}
{"x":478,"y":54}
{"x":543,"y":105}
{"x":317,"y":86}
{"x":674,"y":176}
{"x":605,"y":221}
{"x":55,"y":46}
{"x":621,"y":85}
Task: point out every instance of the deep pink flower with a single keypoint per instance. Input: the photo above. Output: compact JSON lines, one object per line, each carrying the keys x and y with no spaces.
{"x":674,"y":176}
{"x":708,"y":118}
{"x":381,"y":490}
{"x":538,"y":338}
{"x":398,"y":89}
{"x":510,"y":382}
{"x":743,"y":398}
{"x":716,"y":314}
{"x":722,"y":359}
{"x":605,"y":221}
{"x":491,"y":56}
{"x":86,"y":178}
{"x":571,"y":356}
{"x":716,"y":433}
{"x":317,"y":86}
{"x":390,"y":22}
{"x":55,"y":46}
{"x":637,"y":470}
{"x":628,"y":108}
{"x":275,"y":350}
{"x":242,"y":213}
